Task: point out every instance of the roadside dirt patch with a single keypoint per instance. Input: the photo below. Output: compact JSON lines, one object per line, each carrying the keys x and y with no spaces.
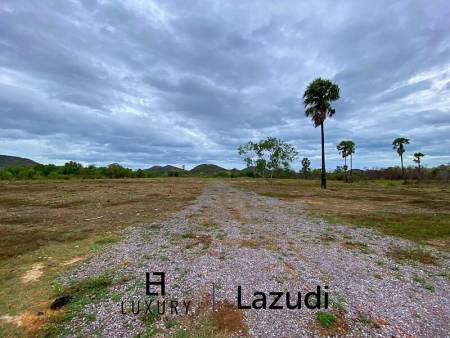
{"x":338,"y":328}
{"x":229,"y":319}
{"x":11,"y":319}
{"x":33,"y":274}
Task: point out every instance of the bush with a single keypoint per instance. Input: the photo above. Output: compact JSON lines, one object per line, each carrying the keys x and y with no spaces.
{"x":6,"y":175}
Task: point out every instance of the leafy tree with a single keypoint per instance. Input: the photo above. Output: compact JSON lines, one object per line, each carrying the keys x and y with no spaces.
{"x":306,"y":167}
{"x":399,"y":145}
{"x":317,"y":101}
{"x":280,"y":154}
{"x":71,"y":168}
{"x":346,"y":148}
{"x":115,"y":170}
{"x":253,"y":157}
{"x":270,"y":154}
{"x":417,"y":158}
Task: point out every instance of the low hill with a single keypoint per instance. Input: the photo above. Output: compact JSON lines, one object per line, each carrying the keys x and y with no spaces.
{"x":7,"y":161}
{"x":208,"y":169}
{"x":164,"y":169}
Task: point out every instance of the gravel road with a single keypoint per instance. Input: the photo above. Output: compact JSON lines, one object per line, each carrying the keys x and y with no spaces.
{"x":232,"y":237}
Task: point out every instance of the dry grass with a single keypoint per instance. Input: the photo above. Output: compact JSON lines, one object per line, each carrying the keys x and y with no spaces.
{"x":33,"y":214}
{"x":225,"y":321}
{"x":419,"y":212}
{"x":418,"y":255}
{"x":53,"y":222}
{"x":262,"y":243}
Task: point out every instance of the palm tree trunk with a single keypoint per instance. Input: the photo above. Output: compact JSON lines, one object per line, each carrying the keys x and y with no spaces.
{"x":345,"y":169}
{"x":351,"y":167}
{"x":403,"y":169}
{"x":323,"y":180}
{"x":420,"y":176}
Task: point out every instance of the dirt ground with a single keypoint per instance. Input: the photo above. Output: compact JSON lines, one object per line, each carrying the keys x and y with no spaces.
{"x":49,"y":226}
{"x":378,"y":285}
{"x":205,"y":232}
{"x":35,"y":213}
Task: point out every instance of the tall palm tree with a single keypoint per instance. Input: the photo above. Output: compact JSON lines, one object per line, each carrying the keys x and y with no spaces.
{"x":317,"y":101}
{"x":417,"y":159}
{"x":399,"y":145}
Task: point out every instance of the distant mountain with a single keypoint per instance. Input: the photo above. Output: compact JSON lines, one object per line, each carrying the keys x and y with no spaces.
{"x":15,"y":162}
{"x":164,"y":169}
{"x":207,"y":169}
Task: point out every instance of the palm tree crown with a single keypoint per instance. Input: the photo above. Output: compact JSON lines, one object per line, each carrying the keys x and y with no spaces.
{"x":317,"y":100}
{"x":346,"y":148}
{"x":417,"y":157}
{"x":399,"y":145}
{"x":351,"y":147}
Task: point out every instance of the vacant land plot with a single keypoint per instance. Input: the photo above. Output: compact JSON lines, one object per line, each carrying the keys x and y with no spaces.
{"x":48,"y":226}
{"x":378,"y":285}
{"x":219,"y":231}
{"x":419,"y":212}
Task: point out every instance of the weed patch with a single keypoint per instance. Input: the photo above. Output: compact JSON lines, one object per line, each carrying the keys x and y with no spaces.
{"x":325,"y":319}
{"x":84,"y":292}
{"x":418,"y":255}
{"x":423,"y":282}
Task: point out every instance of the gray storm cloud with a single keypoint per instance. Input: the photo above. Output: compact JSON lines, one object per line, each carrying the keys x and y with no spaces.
{"x":156,"y":82}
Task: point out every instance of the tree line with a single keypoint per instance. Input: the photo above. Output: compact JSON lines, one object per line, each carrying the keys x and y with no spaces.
{"x":78,"y":171}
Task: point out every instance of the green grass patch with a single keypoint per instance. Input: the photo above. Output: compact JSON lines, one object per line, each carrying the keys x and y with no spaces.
{"x":325,"y":319}
{"x":416,"y":227}
{"x":188,"y":234}
{"x":107,"y":240}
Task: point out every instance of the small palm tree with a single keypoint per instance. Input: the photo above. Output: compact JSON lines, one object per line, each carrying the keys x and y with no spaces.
{"x":306,"y":167}
{"x":317,"y":101}
{"x":347,"y":148}
{"x":342,"y":147}
{"x":399,"y":145}
{"x":417,"y":159}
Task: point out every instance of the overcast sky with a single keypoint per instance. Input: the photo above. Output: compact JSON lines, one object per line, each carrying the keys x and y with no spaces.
{"x":187,"y":82}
